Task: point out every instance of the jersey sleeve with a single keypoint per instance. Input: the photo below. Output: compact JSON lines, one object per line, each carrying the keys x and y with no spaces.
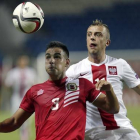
{"x":74,"y":70}
{"x":90,"y":90}
{"x":27,"y":103}
{"x":71,"y":71}
{"x":129,"y":75}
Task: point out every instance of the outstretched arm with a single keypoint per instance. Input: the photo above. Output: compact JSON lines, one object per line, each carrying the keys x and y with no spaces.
{"x":137,"y":89}
{"x":14,"y":122}
{"x":108,"y":102}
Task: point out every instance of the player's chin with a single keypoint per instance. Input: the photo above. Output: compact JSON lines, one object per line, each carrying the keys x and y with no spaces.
{"x":51,"y":71}
{"x":92,"y":51}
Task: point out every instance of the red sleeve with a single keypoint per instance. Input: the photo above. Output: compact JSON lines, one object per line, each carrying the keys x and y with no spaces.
{"x":27,"y":103}
{"x":90,"y":91}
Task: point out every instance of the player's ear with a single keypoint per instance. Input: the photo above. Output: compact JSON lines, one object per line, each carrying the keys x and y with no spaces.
{"x":67,"y":62}
{"x":108,"y":42}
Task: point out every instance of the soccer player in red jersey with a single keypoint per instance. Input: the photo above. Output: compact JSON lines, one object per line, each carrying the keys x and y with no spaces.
{"x":60,"y":102}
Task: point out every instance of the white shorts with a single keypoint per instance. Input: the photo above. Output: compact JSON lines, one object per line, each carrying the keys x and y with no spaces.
{"x":117,"y":134}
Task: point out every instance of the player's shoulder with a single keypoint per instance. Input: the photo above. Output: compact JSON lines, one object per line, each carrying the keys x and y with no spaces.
{"x":30,"y":70}
{"x":78,"y":64}
{"x":111,"y":59}
{"x":76,"y":69}
{"x":13,"y":71}
{"x":37,"y":87}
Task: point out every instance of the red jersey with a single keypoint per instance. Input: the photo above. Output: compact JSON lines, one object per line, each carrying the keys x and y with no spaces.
{"x":60,"y":108}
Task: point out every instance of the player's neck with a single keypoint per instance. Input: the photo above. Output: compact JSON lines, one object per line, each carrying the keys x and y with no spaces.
{"x":56,"y":77}
{"x":96,"y":58}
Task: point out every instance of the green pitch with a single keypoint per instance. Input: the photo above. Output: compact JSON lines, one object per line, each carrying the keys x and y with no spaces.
{"x":133,"y":114}
{"x":15,"y":135}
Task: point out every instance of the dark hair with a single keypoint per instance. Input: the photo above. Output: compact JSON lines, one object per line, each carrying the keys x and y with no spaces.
{"x":57,"y":44}
{"x":100,"y":23}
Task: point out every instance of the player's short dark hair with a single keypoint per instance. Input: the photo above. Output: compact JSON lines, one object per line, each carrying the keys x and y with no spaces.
{"x":100,"y":23}
{"x":57,"y":44}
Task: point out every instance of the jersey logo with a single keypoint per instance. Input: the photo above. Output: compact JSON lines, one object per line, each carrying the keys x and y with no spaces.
{"x":137,"y":76}
{"x":40,"y":92}
{"x":71,"y":86}
{"x":82,"y":74}
{"x":112,"y":70}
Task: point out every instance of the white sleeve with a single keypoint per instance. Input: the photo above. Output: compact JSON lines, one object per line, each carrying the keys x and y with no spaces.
{"x":129,"y":75}
{"x":70,"y":71}
{"x":74,"y":70}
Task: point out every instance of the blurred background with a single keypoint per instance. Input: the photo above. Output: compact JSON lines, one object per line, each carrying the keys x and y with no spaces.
{"x":67,"y":21}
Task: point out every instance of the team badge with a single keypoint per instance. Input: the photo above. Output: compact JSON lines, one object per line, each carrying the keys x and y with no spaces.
{"x":71,"y":86}
{"x":112,"y":70}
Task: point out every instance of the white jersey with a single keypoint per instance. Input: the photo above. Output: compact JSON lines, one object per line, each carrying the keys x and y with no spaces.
{"x":114,"y":71}
{"x":20,"y":80}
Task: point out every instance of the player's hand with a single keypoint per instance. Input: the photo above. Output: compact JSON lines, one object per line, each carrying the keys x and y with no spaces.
{"x":103,"y":85}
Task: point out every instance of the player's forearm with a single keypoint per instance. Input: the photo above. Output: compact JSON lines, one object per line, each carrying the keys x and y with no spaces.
{"x":8,"y":125}
{"x":112,"y":102}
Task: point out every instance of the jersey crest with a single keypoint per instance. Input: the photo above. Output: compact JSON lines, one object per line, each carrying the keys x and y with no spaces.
{"x":71,"y":87}
{"x":112,"y":70}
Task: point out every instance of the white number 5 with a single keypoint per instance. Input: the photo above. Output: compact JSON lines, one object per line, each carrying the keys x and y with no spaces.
{"x":55,"y":103}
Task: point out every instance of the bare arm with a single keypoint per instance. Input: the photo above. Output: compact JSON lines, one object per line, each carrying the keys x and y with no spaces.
{"x":108,"y":102}
{"x":14,"y":122}
{"x":137,"y":89}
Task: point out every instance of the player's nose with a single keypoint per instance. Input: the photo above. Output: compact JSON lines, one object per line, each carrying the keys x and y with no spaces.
{"x":52,"y":60}
{"x":92,"y":38}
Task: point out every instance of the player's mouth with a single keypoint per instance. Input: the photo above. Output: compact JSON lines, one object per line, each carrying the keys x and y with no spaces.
{"x":51,"y":67}
{"x":93,"y":45}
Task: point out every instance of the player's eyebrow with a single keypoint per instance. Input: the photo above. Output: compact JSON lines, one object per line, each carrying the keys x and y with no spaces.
{"x":94,"y":32}
{"x":89,"y":32}
{"x":57,"y":54}
{"x":98,"y":32}
{"x":54,"y":54}
{"x":47,"y":54}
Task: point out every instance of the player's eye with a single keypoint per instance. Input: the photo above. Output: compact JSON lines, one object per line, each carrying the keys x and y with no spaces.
{"x":98,"y":34}
{"x":57,"y":56}
{"x":48,"y":57}
{"x":89,"y":34}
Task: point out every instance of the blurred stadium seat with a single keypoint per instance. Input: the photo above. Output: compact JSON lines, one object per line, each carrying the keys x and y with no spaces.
{"x":123,"y":21}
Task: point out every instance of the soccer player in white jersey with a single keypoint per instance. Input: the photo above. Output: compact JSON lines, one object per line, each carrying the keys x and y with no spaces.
{"x":60,"y":103}
{"x":97,"y":66}
{"x":19,"y":79}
